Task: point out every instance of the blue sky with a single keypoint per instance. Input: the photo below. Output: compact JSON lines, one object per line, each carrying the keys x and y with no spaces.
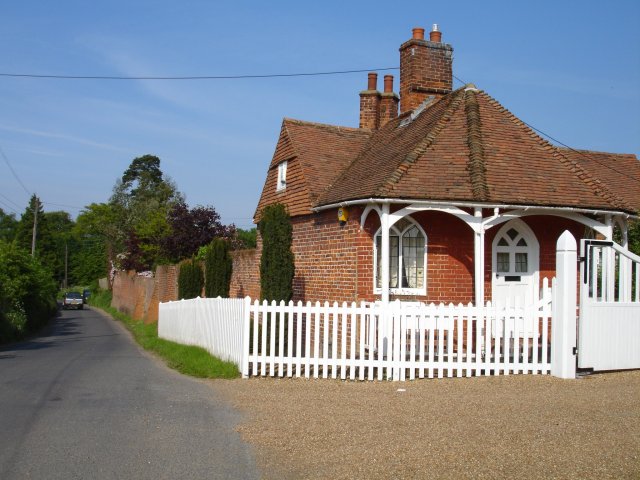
{"x":570,"y":68}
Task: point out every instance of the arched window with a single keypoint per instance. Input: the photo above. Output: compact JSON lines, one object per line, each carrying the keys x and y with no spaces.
{"x":407,"y":258}
{"x":512,"y":253}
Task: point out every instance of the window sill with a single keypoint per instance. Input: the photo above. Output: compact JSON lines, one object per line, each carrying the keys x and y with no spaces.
{"x":402,"y":291}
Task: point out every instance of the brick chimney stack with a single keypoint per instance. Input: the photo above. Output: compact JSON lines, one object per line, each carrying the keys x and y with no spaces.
{"x":425,"y":68}
{"x":370,"y":104}
{"x":388,"y":101}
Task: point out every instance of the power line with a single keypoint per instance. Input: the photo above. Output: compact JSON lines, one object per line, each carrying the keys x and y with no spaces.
{"x":9,"y":200}
{"x":9,"y":207}
{"x":6,"y":160}
{"x":191,"y":77}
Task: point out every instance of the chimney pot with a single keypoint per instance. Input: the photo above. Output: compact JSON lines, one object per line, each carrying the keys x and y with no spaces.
{"x":418,"y":33}
{"x":435,"y":35}
{"x":373,"y":81}
{"x":388,"y":83}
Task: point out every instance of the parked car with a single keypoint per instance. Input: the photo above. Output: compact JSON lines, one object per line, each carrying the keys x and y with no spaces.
{"x":72,"y":300}
{"x":86,"y":293}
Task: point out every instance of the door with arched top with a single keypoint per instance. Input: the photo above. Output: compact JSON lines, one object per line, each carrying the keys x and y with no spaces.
{"x":515,"y":267}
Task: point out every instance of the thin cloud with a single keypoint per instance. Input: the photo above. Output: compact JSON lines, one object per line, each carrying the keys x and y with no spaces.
{"x":61,"y":136}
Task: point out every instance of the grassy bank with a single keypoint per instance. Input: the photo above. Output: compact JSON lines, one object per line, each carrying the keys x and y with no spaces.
{"x":194,"y":361}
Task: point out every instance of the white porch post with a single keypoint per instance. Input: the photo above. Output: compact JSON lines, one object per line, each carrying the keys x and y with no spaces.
{"x":608,"y":261}
{"x":384,"y":267}
{"x":478,"y":261}
{"x":563,"y":325}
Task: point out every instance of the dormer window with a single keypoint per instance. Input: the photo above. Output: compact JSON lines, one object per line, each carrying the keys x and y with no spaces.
{"x":282,"y":176}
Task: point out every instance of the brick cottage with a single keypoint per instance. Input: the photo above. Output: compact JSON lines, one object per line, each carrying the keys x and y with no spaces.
{"x":451,"y":199}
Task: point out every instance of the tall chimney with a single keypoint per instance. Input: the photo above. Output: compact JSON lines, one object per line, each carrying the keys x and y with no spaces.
{"x":425,"y":68}
{"x":370,"y":104}
{"x":388,"y":101}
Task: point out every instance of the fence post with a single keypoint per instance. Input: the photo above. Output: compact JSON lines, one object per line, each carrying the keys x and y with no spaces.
{"x":245,"y":337}
{"x":563,"y":326}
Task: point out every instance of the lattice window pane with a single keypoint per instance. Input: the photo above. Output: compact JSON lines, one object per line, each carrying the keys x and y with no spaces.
{"x":521,"y":262}
{"x":503,"y":262}
{"x":413,"y":259}
{"x":393,"y":261}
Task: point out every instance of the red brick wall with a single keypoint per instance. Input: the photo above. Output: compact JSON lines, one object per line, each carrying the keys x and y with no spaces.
{"x":136,"y":296}
{"x":245,"y":277}
{"x":140,"y":297}
{"x":335,"y":262}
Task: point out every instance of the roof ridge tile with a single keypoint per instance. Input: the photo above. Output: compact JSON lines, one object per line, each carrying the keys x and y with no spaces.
{"x":475,"y":165}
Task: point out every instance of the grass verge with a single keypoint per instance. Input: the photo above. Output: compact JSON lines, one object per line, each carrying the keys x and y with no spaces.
{"x":187,"y":359}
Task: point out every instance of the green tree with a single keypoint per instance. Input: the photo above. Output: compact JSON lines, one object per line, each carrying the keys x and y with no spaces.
{"x":98,"y":238}
{"x":218,"y":268}
{"x":633,"y":235}
{"x":277,"y":261}
{"x":246,"y":238}
{"x":8,"y":226}
{"x":141,"y":201}
{"x":61,"y":227}
{"x":190,"y":279}
{"x":46,"y":248}
{"x":27,"y":292}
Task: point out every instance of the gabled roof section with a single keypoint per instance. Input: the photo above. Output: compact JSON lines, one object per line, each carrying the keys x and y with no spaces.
{"x":324,"y":151}
{"x":316,"y":153}
{"x":468,"y":147}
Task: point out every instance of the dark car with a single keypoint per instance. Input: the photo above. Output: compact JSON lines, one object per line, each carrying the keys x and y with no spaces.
{"x":72,"y":300}
{"x":86,"y":293}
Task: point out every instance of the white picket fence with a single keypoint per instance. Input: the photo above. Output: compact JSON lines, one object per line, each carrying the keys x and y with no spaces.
{"x":215,"y":324}
{"x":398,"y":341}
{"x":366,"y":341}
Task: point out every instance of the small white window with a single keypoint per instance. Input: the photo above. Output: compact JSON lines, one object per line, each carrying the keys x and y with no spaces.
{"x":282,"y":176}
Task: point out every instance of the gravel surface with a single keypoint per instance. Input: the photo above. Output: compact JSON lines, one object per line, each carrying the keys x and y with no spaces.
{"x":491,"y":427}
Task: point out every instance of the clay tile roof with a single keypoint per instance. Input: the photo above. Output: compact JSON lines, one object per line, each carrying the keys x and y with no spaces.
{"x":323,"y":151}
{"x":468,"y":147}
{"x":617,"y":172}
{"x":316,"y":154}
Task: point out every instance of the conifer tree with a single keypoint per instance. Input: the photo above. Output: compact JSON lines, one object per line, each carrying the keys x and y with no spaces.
{"x":277,"y":261}
{"x":218,"y":267}
{"x":190,"y":280}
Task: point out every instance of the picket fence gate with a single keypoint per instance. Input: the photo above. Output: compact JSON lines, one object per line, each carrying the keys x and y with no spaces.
{"x":609,"y":327}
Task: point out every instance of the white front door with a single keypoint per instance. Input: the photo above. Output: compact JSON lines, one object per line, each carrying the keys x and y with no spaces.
{"x":515,"y":265}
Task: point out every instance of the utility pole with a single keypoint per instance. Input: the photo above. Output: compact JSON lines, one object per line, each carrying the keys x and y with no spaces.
{"x":66,"y":261}
{"x":35,"y":227}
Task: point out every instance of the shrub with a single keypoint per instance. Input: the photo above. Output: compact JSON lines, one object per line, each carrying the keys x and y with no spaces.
{"x":190,"y":279}
{"x":27,"y":293}
{"x":218,"y":267}
{"x":276,"y":262}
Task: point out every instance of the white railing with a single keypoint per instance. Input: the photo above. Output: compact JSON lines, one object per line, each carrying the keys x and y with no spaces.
{"x":609,"y":329}
{"x":215,"y":324}
{"x":371,"y":341}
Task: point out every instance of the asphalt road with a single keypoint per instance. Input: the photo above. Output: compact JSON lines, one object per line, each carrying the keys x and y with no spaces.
{"x":82,"y":400}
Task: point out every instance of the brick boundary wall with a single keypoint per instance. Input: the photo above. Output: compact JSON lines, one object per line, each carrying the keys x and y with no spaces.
{"x":139,"y":297}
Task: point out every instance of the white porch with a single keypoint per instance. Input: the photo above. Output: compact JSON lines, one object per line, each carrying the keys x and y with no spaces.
{"x":472,"y":215}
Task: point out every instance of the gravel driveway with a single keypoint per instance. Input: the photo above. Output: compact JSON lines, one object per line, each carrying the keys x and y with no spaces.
{"x":492,"y":427}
